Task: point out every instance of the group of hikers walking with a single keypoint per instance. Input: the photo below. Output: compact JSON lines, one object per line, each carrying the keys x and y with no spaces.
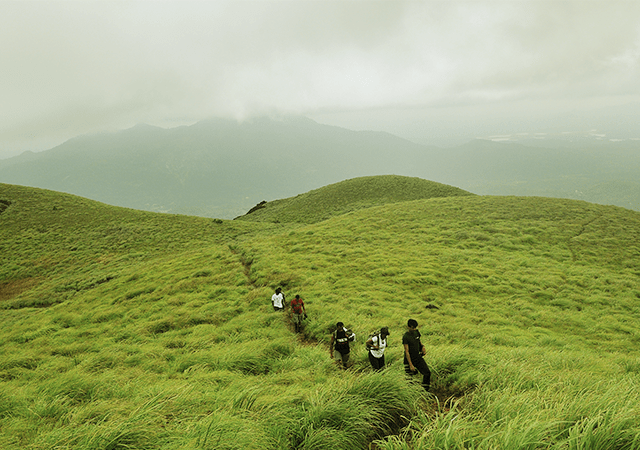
{"x":298,"y":311}
{"x":340,"y":349}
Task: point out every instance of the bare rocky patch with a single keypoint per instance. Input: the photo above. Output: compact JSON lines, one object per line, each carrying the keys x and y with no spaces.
{"x":11,"y":289}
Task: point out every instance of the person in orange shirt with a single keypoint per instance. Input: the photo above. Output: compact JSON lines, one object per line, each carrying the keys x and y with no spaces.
{"x":298,"y":312}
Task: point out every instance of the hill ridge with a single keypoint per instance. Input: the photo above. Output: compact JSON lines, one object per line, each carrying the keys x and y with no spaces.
{"x":348,"y":196}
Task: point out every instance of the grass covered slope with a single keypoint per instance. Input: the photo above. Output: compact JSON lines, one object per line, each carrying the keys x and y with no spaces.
{"x":61,"y":245}
{"x":124,"y":329}
{"x":347,"y":196}
{"x":530,"y":308}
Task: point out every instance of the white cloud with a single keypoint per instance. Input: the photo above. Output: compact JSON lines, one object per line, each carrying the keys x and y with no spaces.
{"x":74,"y":67}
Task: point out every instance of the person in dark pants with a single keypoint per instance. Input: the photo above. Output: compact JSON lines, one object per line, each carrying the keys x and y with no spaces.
{"x":339,"y":345}
{"x":414,"y":352}
{"x":376,"y":346}
{"x":277,"y":300}
{"x":298,"y":312}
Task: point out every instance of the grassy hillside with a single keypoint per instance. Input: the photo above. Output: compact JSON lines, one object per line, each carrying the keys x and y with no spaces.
{"x":126,"y":329}
{"x":347,"y":196}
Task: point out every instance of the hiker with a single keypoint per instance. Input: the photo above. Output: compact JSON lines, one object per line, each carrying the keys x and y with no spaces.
{"x":376,"y":346}
{"x":340,"y":343}
{"x":414,"y":352}
{"x":277,"y":300}
{"x":298,"y":312}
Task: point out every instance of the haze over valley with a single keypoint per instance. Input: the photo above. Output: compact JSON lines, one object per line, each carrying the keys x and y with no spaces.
{"x":221,"y":168}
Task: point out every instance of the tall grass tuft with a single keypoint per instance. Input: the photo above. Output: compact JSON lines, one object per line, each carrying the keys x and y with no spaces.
{"x":363,"y":409}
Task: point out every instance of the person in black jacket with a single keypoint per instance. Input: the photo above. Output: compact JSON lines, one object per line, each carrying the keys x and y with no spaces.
{"x":414,"y":352}
{"x":339,"y":346}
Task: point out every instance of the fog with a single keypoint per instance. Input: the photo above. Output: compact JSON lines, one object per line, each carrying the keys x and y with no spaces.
{"x":429,"y":69}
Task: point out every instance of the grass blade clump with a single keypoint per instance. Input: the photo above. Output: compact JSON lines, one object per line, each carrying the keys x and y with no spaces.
{"x":360,"y":410}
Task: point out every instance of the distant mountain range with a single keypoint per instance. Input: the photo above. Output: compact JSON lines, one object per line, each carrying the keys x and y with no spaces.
{"x":222,"y":168}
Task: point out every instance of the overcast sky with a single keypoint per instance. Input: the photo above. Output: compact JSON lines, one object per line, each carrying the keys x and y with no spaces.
{"x":75,"y":67}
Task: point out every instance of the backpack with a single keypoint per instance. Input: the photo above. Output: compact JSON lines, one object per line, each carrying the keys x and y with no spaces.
{"x":371,"y":336}
{"x":342,"y":343}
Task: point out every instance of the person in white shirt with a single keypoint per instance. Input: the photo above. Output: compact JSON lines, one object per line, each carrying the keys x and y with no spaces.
{"x":376,"y":346}
{"x":277,"y":300}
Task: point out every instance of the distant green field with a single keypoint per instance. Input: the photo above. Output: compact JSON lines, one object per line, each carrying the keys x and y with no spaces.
{"x":125,"y":329}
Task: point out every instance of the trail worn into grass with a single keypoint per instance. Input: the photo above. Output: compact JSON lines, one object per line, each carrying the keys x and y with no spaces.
{"x":246,"y":262}
{"x":443,"y":397}
{"x":303,"y":337}
{"x":580,"y":233}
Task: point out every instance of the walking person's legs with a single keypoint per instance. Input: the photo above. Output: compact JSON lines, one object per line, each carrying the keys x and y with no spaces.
{"x":426,"y":373}
{"x":345,"y":360}
{"x":376,"y":363}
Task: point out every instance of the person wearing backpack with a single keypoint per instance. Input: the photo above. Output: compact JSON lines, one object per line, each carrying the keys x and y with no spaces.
{"x":339,"y":345}
{"x":298,"y":312}
{"x":414,"y":352}
{"x":376,"y":346}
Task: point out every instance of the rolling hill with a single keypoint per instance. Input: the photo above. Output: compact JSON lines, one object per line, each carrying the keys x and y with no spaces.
{"x":346,"y":196}
{"x":138,"y":330}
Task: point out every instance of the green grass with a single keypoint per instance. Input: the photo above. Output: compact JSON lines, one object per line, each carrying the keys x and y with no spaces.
{"x":131,"y":330}
{"x":347,"y":196}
